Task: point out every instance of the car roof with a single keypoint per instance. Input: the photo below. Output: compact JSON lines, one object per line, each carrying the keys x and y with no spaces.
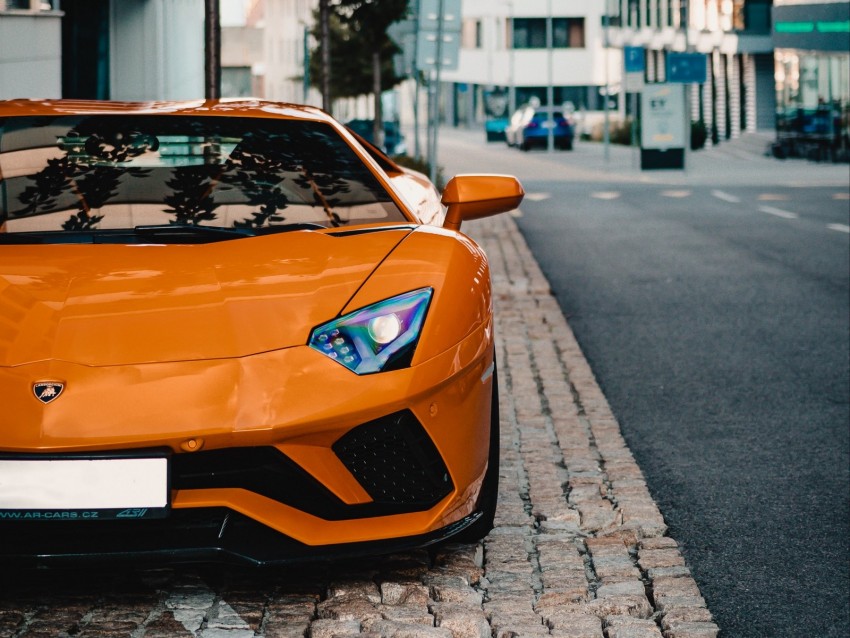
{"x":231,"y":107}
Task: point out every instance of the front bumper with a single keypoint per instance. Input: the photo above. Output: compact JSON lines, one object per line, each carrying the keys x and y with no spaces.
{"x":366,"y":464}
{"x":188,"y":536}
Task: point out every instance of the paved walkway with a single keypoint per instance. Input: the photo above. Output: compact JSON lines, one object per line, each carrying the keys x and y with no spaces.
{"x":736,"y":162}
{"x":580,"y":546}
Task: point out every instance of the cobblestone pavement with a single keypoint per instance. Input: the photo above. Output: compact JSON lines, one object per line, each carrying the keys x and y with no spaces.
{"x":579,"y":549}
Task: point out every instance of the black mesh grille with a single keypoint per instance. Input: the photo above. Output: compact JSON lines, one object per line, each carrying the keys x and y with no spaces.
{"x":395,"y":461}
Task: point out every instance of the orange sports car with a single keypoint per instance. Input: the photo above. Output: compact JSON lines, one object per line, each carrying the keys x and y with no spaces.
{"x":231,"y":330}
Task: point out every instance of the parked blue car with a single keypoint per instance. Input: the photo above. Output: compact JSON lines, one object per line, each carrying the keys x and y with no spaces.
{"x":529,"y":127}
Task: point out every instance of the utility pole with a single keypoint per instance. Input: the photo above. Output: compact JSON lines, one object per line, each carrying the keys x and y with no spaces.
{"x":325,"y":27}
{"x":212,"y":50}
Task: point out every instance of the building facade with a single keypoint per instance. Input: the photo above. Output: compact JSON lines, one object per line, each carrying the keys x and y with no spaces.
{"x":102,"y":49}
{"x":27,"y":70}
{"x":287,"y":51}
{"x":506,"y":60}
{"x":154,"y":49}
{"x":243,"y":49}
{"x":812,"y":71}
{"x":735,"y":36}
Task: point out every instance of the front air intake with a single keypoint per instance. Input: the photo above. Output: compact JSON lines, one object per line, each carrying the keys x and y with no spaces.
{"x":395,"y":461}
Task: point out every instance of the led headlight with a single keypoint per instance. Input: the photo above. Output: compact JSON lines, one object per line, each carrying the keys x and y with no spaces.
{"x":375,"y":338}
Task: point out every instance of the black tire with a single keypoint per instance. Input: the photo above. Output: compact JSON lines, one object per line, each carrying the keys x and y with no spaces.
{"x":489,"y":494}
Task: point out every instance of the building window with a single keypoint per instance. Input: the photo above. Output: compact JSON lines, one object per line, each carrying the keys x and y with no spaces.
{"x":751,"y":15}
{"x":613,"y":21}
{"x":471,"y":34}
{"x":569,"y":98}
{"x":29,"y":5}
{"x":236,"y":81}
{"x":530,"y":33}
{"x":813,"y":95}
{"x":635,"y":13}
{"x":85,"y":50}
{"x":568,"y":33}
{"x":630,"y":13}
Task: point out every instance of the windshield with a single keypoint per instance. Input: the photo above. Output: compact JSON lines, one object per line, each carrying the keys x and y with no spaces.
{"x":106,"y":172}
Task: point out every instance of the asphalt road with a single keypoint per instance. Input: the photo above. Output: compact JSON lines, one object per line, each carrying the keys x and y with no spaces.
{"x":714,"y":309}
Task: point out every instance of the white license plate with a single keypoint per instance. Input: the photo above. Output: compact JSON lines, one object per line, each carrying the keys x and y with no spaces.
{"x":124,"y":484}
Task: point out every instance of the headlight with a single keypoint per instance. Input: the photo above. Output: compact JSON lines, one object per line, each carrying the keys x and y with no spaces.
{"x":379,"y":337}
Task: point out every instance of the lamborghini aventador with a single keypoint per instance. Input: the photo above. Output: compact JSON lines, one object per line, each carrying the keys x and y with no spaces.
{"x":232,"y":330}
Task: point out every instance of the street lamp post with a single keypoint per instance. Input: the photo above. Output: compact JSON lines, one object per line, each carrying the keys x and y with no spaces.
{"x":511,"y":62}
{"x":606,"y":130}
{"x":435,"y":115}
{"x":550,"y":91}
{"x":417,"y":151}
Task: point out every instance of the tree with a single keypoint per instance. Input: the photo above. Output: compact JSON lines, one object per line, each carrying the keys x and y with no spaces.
{"x":361,"y":52}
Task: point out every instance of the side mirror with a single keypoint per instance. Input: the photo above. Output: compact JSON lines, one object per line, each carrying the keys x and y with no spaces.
{"x":474,"y":196}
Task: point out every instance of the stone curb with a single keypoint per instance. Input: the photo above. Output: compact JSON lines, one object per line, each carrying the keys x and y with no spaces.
{"x":595,"y":560}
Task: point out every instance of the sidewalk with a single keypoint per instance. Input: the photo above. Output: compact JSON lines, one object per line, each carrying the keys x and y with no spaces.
{"x":579,"y":546}
{"x":735,"y":162}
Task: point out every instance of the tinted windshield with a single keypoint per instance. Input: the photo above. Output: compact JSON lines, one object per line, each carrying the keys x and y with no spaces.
{"x":93,"y":172}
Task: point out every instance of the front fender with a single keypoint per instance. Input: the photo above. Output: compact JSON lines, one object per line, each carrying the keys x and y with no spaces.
{"x":450,"y":263}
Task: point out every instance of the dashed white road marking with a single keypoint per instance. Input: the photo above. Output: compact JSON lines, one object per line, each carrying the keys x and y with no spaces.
{"x":841,"y":196}
{"x":772,"y":197}
{"x":778,"y":212}
{"x":606,"y":195}
{"x":676,"y":194}
{"x":537,"y":197}
{"x":726,"y":197}
{"x":516,"y":212}
{"x":841,"y":228}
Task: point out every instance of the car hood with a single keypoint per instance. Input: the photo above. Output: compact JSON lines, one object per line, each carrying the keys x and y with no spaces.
{"x":101,"y":305}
